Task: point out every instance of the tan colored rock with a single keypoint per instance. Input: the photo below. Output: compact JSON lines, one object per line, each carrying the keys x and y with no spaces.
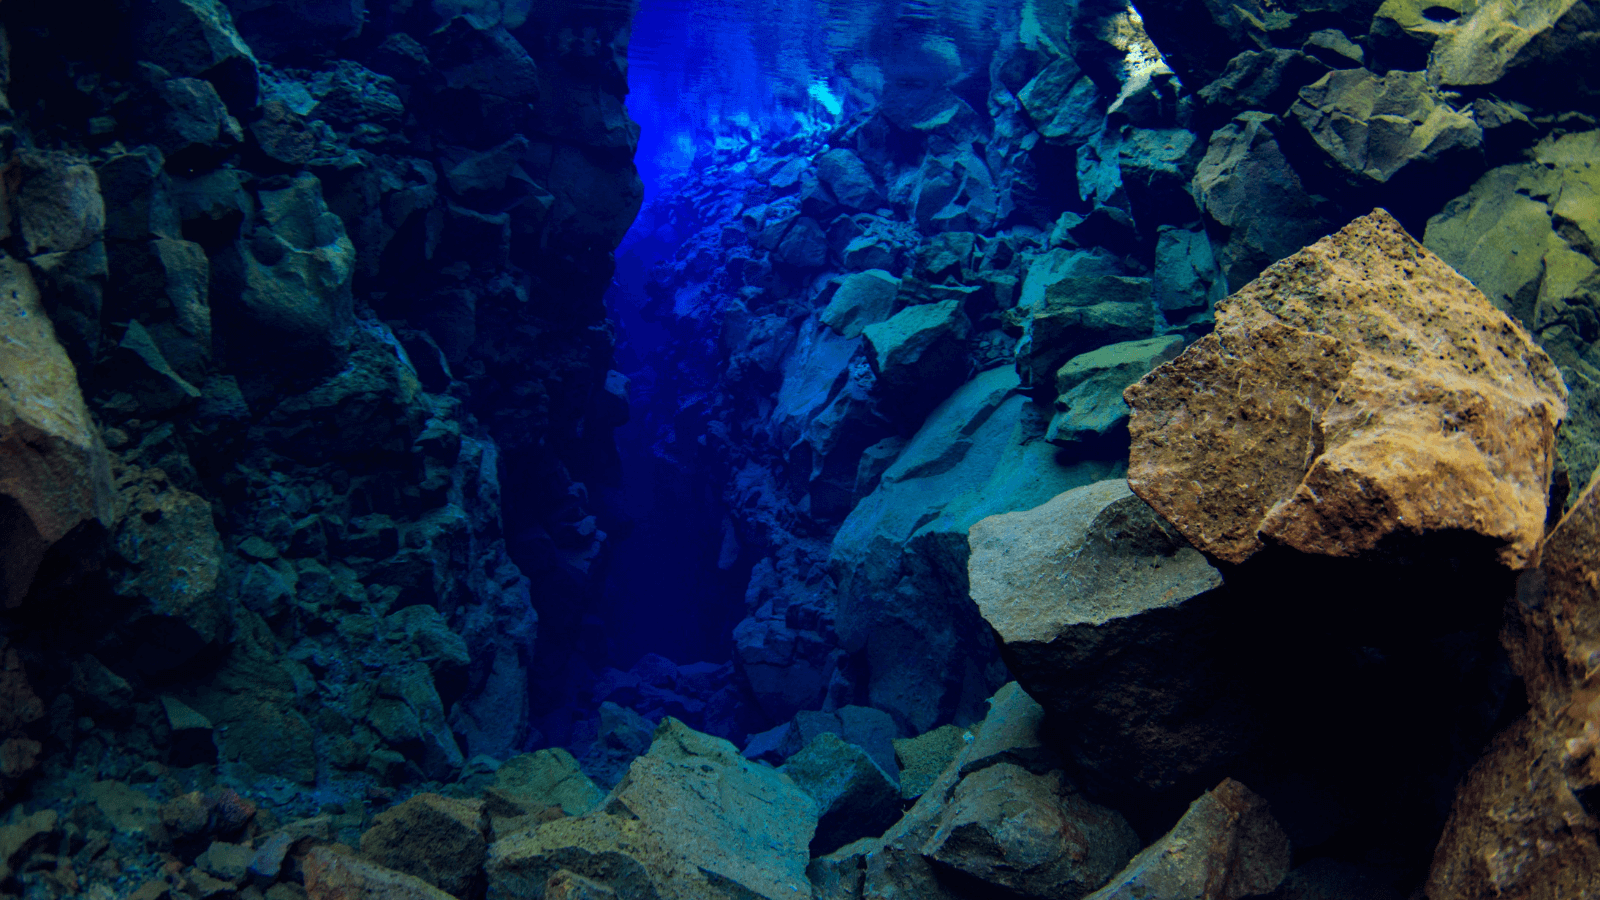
{"x":1357,"y":390}
{"x":54,"y":472}
{"x":1526,"y":822}
{"x":438,"y":839}
{"x":334,"y":875}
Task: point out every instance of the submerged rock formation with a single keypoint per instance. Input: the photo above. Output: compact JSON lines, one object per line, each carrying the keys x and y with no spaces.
{"x":1359,"y":389}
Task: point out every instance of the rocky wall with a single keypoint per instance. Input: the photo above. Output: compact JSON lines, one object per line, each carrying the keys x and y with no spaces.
{"x":308,"y":365}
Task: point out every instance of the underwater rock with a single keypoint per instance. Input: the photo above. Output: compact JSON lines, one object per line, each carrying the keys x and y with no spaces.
{"x":1524,"y":824}
{"x":855,"y":799}
{"x":1089,"y":387}
{"x":900,"y":558}
{"x":1535,"y":51}
{"x":197,"y":39}
{"x":1109,"y":619}
{"x":20,"y":838}
{"x":1374,"y":126}
{"x":545,"y":778}
{"x":1078,"y":314}
{"x":1268,"y":79}
{"x":53,"y":466}
{"x":920,"y":349}
{"x":1186,"y":278}
{"x":923,"y":757}
{"x":1248,"y":187}
{"x":185,"y":119}
{"x":691,"y":819}
{"x":847,"y":178}
{"x":59,"y":205}
{"x":286,"y":288}
{"x":437,"y":839}
{"x":1226,"y":846}
{"x":1359,"y":407}
{"x":1031,"y":834}
{"x":333,"y":875}
{"x":1062,"y":101}
{"x":1528,"y":236}
{"x":862,"y":299}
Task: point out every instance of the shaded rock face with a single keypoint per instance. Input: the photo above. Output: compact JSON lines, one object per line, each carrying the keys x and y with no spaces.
{"x":690,"y":819}
{"x":1227,"y":845}
{"x":1524,"y":819}
{"x":53,"y":466}
{"x":1109,"y":619}
{"x":1395,"y":416}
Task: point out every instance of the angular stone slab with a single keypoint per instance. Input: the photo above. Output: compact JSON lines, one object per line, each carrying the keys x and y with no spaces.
{"x":1359,"y":389}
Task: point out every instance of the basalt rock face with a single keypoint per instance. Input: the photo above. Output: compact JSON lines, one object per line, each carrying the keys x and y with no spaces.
{"x":266,"y":301}
{"x":1371,"y":391}
{"x":1525,"y":821}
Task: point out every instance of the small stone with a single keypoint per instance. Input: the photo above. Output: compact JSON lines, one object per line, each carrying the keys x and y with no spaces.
{"x":229,"y":862}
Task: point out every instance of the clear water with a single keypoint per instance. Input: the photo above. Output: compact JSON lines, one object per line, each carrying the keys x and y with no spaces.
{"x":762,"y":69}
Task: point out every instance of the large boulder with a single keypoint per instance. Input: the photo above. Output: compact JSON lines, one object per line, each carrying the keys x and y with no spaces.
{"x":54,"y":471}
{"x":846,"y":176}
{"x":438,"y":839}
{"x":1079,"y":314}
{"x":1528,"y":235}
{"x":330,"y":874}
{"x":1227,"y":846}
{"x":1110,"y":620}
{"x":1524,"y":824}
{"x":1367,"y":390}
{"x":900,"y":558}
{"x":919,"y":354}
{"x":692,"y":820}
{"x":1373,"y":126}
{"x":855,"y":798}
{"x":861,"y":299}
{"x":197,"y":39}
{"x":1033,"y":835}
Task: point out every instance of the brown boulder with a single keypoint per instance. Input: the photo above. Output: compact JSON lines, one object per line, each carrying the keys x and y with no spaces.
{"x":54,"y":472}
{"x":1526,"y":822}
{"x":334,"y":875}
{"x":438,"y":839}
{"x":1358,"y":390}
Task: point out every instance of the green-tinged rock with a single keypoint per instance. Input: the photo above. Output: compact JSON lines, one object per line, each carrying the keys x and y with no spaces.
{"x":692,"y":820}
{"x":919,"y":353}
{"x":545,"y":778}
{"x":923,"y":757}
{"x":1077,"y":315}
{"x":1032,"y":834}
{"x":1544,"y":47}
{"x":251,"y":700}
{"x":59,"y":206}
{"x":128,"y":809}
{"x":1373,"y":126}
{"x":855,"y":799}
{"x":182,"y":718}
{"x":1089,"y":387}
{"x":54,"y":471}
{"x":1226,"y":846}
{"x":1062,"y":101}
{"x":196,"y":38}
{"x":438,"y":839}
{"x":1528,"y":236}
{"x":861,"y":300}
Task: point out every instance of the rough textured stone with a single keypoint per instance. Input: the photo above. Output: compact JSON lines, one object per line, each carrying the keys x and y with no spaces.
{"x":1357,"y":390}
{"x":1031,"y":834}
{"x":1078,"y":315}
{"x":923,"y":757}
{"x":1374,"y":126}
{"x":920,"y":346}
{"x":1525,"y":823}
{"x":846,"y":176}
{"x":54,"y":471}
{"x":437,"y":839}
{"x":862,"y":299}
{"x":1106,"y":616}
{"x":334,"y":875}
{"x":1226,"y":846}
{"x":1089,"y":387}
{"x":1528,"y":235}
{"x":546,"y":778}
{"x":855,"y":799}
{"x":691,"y":819}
